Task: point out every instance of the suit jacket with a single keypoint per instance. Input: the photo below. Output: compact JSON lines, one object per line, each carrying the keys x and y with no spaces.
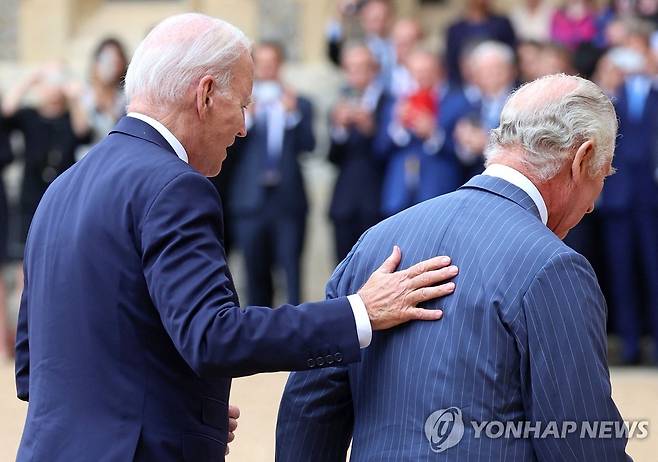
{"x":129,"y":328}
{"x":439,"y":172}
{"x":358,"y":187}
{"x":246,"y":191}
{"x":464,"y":34}
{"x":523,"y":338}
{"x":636,"y":158}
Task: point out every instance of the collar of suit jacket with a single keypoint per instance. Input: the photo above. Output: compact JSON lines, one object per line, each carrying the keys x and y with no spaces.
{"x":512,"y":191}
{"x":149,"y":129}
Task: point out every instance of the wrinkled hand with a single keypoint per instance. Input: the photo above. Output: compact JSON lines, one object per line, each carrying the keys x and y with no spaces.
{"x":391,"y":298}
{"x":233,"y":415}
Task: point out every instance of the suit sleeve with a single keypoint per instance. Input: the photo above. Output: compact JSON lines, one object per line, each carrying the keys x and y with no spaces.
{"x":23,"y":347}
{"x":191,"y":287}
{"x":564,"y":369}
{"x":305,"y":138}
{"x":316,"y":415}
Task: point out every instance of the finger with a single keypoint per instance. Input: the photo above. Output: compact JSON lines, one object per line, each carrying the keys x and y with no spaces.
{"x":392,"y":262}
{"x":233,"y":411}
{"x":232,"y":425}
{"x":431,"y":278}
{"x":430,"y":293}
{"x":227,"y":450}
{"x":421,"y":314}
{"x":231,"y":437}
{"x":428,"y":265}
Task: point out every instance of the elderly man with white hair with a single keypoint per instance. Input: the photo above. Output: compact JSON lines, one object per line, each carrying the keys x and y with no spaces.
{"x":490,"y":73}
{"x":517,"y":369}
{"x":130,"y":329}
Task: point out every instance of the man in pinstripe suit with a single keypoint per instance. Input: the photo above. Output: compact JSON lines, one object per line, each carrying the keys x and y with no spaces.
{"x":523,"y":339}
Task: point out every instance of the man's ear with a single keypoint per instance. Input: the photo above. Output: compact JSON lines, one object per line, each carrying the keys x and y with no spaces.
{"x":205,"y":92}
{"x":582,"y":160}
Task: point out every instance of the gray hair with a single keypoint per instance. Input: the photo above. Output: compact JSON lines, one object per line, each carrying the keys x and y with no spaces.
{"x":491,"y":47}
{"x":178,"y":52}
{"x":549,"y":118}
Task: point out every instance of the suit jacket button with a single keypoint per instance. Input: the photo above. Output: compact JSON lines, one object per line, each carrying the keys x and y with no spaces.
{"x":329,"y":359}
{"x":339,"y":357}
{"x":319,"y":361}
{"x":311,"y":362}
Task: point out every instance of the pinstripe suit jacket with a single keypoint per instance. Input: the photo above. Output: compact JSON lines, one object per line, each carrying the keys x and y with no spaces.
{"x":523,"y":338}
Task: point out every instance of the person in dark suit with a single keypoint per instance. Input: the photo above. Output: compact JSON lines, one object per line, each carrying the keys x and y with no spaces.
{"x":355,"y":202}
{"x":267,"y":199}
{"x":6,"y":158}
{"x":478,"y":24}
{"x":629,"y":208}
{"x":52,"y":130}
{"x":491,"y":74}
{"x":375,"y":19}
{"x":523,"y":340}
{"x":412,"y":140}
{"x":130,"y":328}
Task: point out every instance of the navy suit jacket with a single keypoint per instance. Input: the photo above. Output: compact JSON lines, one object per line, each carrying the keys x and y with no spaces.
{"x":129,"y":328}
{"x":439,"y":172}
{"x":523,"y":338}
{"x":636,"y":159}
{"x":246,"y":191}
{"x":360,"y":171}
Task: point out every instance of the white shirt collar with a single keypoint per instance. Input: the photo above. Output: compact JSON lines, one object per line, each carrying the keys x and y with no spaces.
{"x":520,"y":180}
{"x":166,"y":134}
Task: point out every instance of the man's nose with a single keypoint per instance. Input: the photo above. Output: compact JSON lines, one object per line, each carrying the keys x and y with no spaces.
{"x":242,"y":132}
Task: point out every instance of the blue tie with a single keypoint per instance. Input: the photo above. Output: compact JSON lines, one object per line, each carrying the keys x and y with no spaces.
{"x":636,"y":94}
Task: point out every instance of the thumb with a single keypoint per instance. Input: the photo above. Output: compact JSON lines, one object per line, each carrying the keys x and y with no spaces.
{"x":392,"y":262}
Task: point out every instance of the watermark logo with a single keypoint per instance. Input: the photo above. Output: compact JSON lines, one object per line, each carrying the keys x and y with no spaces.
{"x":444,"y":428}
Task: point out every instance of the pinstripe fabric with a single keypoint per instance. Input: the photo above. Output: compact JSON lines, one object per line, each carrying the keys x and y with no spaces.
{"x":522,"y":339}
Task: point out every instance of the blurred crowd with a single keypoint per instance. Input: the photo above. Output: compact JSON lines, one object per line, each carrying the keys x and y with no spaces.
{"x":411,"y":123}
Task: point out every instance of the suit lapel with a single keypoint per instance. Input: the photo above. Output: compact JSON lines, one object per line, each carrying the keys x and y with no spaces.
{"x":504,"y":189}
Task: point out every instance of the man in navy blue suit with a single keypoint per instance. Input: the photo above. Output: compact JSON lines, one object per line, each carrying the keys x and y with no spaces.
{"x":267,"y":201}
{"x":420,"y":163}
{"x":130,"y":328}
{"x":355,"y":202}
{"x":629,"y":206}
{"x":522,"y":345}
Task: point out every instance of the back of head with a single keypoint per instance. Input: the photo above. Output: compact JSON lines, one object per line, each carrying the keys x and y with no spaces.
{"x":178,"y":52}
{"x":545,"y":120}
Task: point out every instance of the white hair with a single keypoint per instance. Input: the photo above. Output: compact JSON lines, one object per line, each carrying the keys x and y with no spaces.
{"x":178,"y":52}
{"x":549,"y":118}
{"x":491,"y":47}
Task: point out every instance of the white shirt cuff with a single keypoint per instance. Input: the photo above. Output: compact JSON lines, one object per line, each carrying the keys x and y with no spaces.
{"x":361,"y":319}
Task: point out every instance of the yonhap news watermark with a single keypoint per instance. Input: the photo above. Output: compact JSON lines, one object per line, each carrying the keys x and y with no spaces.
{"x":445,"y":428}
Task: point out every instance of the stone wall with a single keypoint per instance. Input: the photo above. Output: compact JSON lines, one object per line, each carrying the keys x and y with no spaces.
{"x":8,"y":29}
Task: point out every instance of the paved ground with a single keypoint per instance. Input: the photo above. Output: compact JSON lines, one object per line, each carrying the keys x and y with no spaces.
{"x":635,"y":391}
